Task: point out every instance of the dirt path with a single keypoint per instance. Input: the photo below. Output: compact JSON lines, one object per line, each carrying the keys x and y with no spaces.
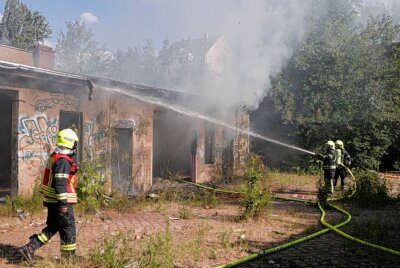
{"x":210,"y":236}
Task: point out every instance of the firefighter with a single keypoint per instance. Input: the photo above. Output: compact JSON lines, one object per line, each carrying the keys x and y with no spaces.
{"x":329,"y":164}
{"x":342,"y":159}
{"x":58,"y":190}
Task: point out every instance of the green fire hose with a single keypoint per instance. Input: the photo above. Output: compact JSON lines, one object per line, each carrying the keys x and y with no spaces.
{"x":303,"y":239}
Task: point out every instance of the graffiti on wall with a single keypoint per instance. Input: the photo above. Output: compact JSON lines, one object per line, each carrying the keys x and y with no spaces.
{"x":94,"y":139}
{"x":55,"y":100}
{"x":37,"y":136}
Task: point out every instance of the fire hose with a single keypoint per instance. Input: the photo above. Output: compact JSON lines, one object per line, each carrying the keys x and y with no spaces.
{"x":308,"y":237}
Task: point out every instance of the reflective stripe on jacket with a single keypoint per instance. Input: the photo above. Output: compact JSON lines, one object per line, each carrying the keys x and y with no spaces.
{"x":59,"y":187}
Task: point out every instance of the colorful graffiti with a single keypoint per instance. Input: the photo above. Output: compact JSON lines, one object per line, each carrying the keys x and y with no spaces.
{"x":55,"y":100}
{"x":93,"y":139}
{"x":37,"y":137}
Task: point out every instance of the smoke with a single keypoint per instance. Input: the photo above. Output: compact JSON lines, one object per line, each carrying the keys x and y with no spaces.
{"x":377,"y":8}
{"x":259,"y":37}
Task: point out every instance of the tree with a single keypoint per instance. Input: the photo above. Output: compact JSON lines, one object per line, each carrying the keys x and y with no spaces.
{"x":343,"y":84}
{"x":77,"y":52}
{"x":21,"y":27}
{"x":136,"y":65}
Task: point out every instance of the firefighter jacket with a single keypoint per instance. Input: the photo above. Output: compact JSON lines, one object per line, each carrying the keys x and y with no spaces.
{"x":329,"y":159}
{"x":59,"y":180}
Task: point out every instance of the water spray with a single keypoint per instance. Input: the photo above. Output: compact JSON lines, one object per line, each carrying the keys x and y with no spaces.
{"x":187,"y":112}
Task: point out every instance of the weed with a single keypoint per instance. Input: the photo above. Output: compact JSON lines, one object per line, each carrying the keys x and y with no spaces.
{"x":114,"y":252}
{"x":31,"y":204}
{"x":156,"y":251}
{"x":185,"y":213}
{"x":226,"y":238}
{"x":255,"y":200}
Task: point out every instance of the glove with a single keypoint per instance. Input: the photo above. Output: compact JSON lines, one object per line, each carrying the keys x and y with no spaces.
{"x":319,"y":156}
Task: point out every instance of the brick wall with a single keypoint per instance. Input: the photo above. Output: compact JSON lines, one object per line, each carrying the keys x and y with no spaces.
{"x":41,"y":56}
{"x":16,"y":55}
{"x":38,"y":125}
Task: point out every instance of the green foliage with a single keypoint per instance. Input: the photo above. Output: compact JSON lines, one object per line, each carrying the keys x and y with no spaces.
{"x":92,"y":178}
{"x":254,"y":200}
{"x":114,"y":252}
{"x":343,"y":83}
{"x":371,"y":190}
{"x":21,"y":27}
{"x":77,"y":52}
{"x":156,"y":251}
{"x":30,"y":204}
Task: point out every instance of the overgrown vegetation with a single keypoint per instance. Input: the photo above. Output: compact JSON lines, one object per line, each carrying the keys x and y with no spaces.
{"x":255,"y":200}
{"x":371,"y":190}
{"x":19,"y":205}
{"x":92,"y":178}
{"x":114,"y":252}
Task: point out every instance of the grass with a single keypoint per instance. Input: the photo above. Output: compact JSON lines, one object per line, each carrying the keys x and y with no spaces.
{"x":19,"y":205}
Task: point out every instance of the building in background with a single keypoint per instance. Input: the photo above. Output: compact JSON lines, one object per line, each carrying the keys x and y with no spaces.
{"x":141,"y":138}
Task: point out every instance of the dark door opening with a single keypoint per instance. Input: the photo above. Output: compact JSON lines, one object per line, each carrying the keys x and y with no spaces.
{"x":174,"y":137}
{"x":121,"y":161}
{"x":73,"y":120}
{"x":6,"y":101}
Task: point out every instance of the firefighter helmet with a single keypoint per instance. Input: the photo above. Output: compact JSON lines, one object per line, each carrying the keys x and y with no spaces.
{"x":330,"y":145}
{"x":339,"y":144}
{"x":67,"y":138}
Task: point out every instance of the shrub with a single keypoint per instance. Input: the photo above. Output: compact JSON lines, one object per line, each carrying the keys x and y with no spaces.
{"x":255,"y":200}
{"x":92,"y":178}
{"x":371,"y":190}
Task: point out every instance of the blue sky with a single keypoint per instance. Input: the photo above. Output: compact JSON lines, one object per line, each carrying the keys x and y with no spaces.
{"x":122,"y":23}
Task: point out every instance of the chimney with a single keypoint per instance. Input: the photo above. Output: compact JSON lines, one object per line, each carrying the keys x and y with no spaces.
{"x":43,"y":57}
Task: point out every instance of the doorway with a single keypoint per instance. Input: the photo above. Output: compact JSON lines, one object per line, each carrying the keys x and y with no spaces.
{"x":121,"y":160}
{"x":6,"y":110}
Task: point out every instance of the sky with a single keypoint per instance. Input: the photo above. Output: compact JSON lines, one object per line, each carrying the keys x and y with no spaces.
{"x":262,"y":34}
{"x":123,"y":23}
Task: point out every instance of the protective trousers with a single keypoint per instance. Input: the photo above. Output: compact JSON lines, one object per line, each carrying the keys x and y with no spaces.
{"x":64,"y":223}
{"x":340,"y":172}
{"x":329,"y":174}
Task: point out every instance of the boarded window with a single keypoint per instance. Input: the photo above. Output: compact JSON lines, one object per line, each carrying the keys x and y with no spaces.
{"x":209,"y":145}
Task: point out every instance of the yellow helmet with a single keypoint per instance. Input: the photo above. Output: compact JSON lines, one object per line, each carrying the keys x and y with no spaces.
{"x":330,"y":145}
{"x":67,"y":138}
{"x":339,"y":144}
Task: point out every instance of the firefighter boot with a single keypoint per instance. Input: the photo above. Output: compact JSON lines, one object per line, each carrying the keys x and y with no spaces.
{"x":71,"y":256}
{"x":27,"y":251}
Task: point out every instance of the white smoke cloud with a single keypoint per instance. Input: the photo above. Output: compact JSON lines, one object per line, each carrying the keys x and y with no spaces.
{"x":88,"y":18}
{"x":262,"y":36}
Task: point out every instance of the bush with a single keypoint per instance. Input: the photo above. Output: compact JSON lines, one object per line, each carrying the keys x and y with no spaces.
{"x":371,"y":190}
{"x":255,"y":200}
{"x":92,"y":178}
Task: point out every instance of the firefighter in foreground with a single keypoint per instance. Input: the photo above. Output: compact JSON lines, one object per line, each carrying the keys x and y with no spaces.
{"x":342,"y":158}
{"x":58,"y":189}
{"x":329,"y":164}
